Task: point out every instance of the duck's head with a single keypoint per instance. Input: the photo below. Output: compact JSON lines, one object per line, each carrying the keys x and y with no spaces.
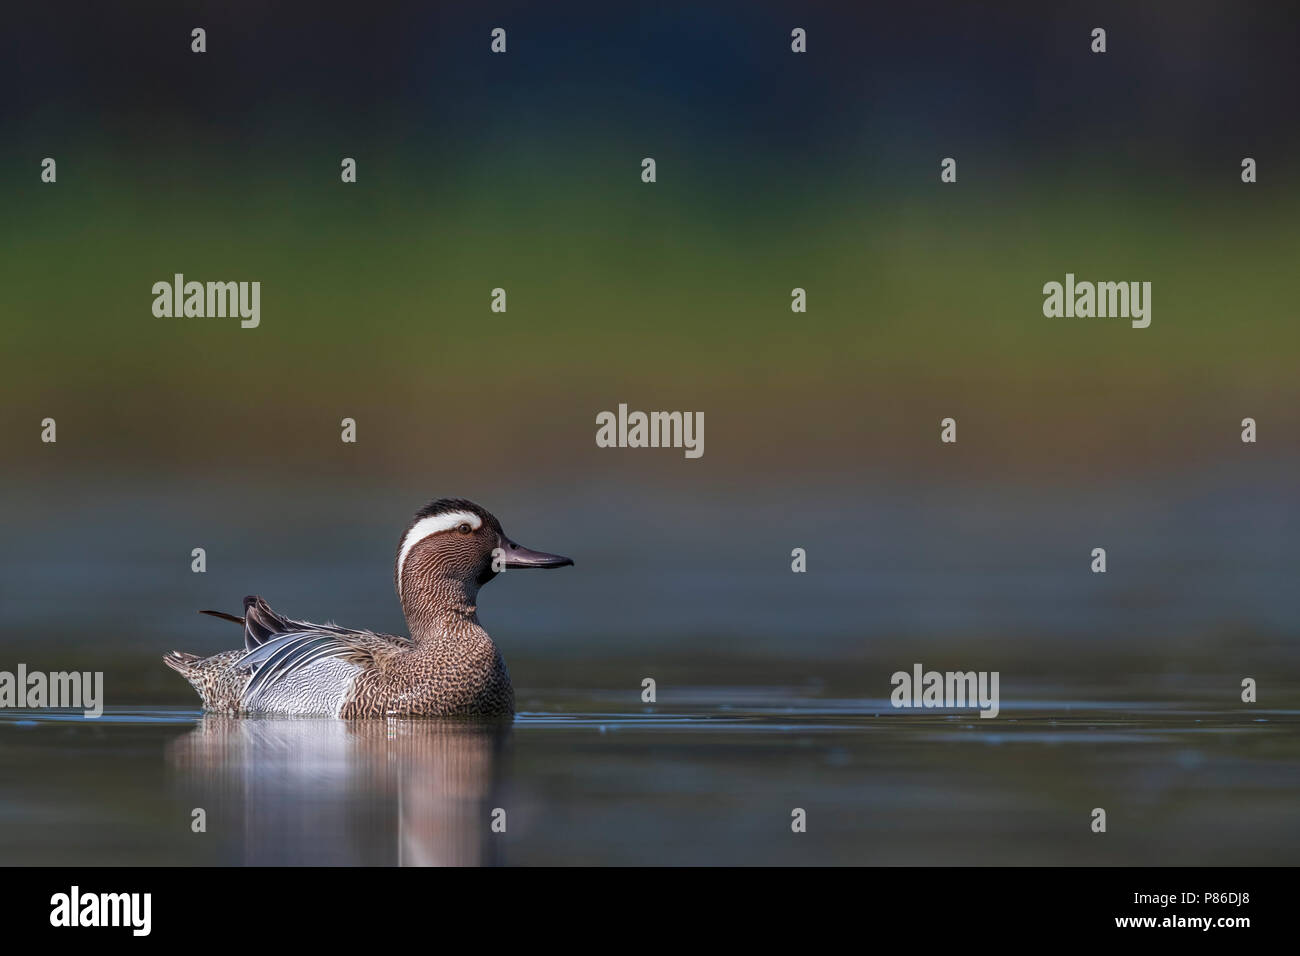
{"x":452,"y":548}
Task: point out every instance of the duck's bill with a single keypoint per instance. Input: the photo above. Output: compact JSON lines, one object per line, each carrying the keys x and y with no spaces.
{"x":520,"y":557}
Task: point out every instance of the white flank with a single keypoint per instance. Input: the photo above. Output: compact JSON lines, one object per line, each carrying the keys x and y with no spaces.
{"x":432,"y":525}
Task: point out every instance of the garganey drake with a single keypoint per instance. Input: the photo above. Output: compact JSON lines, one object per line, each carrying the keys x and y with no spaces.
{"x":449,"y":666}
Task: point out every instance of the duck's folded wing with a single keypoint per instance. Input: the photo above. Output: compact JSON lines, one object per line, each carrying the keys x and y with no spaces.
{"x":262,"y":624}
{"x":286,"y":654}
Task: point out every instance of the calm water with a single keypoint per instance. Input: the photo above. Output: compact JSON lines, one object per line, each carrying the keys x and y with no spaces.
{"x":712,"y":783}
{"x":1119,"y":691}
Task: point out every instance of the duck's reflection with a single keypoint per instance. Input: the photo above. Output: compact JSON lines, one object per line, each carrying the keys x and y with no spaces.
{"x":375,"y":792}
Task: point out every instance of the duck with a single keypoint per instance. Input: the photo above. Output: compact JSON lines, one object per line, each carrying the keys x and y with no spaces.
{"x":448,"y":667}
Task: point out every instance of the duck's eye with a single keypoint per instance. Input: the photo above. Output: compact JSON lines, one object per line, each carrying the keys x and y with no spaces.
{"x":464,"y":528}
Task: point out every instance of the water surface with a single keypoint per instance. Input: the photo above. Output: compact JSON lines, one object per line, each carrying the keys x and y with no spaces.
{"x":589,"y":780}
{"x":1120,"y":691}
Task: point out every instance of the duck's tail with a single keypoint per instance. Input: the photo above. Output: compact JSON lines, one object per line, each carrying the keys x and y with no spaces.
{"x":214,"y":678}
{"x":186,"y":664}
{"x":218,"y":680}
{"x":182,"y":663}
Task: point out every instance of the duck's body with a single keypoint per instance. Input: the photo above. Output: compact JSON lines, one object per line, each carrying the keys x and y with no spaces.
{"x":303,"y":669}
{"x":448,"y":667}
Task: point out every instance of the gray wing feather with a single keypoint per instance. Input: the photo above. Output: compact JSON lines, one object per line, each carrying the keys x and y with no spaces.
{"x":283,"y":655}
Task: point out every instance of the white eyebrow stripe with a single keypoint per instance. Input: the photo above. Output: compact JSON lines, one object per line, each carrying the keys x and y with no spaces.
{"x":432,"y":525}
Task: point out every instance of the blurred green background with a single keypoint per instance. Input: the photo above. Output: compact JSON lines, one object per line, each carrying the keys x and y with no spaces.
{"x":774,"y":171}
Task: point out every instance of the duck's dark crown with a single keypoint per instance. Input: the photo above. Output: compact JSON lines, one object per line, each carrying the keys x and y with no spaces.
{"x":443,"y":505}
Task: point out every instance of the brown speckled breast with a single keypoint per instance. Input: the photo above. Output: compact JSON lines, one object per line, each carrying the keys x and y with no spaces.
{"x":460,"y":673}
